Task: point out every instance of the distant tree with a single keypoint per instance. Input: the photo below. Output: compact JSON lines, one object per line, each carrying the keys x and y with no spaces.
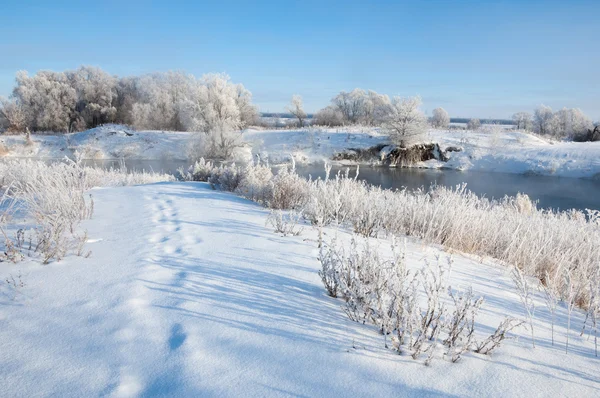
{"x":296,"y":108}
{"x":544,"y":121}
{"x":329,"y":116}
{"x":440,"y":118}
{"x":523,"y":121}
{"x":372,"y":105}
{"x":404,"y":121}
{"x":359,"y":106}
{"x":13,"y":115}
{"x":473,"y":124}
{"x":571,"y":123}
{"x":84,"y":98}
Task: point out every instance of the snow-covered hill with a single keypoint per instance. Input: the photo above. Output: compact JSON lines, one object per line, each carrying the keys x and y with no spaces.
{"x":188,"y":293}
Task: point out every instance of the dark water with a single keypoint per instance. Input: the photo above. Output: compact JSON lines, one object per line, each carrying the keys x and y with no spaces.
{"x":550,"y":192}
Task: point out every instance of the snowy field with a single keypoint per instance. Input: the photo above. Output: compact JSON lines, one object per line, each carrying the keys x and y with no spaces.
{"x":502,"y":150}
{"x":188,"y":293}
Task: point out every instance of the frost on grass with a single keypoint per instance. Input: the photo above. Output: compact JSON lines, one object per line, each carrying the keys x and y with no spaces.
{"x":416,"y":309}
{"x":557,"y":248}
{"x":53,"y":199}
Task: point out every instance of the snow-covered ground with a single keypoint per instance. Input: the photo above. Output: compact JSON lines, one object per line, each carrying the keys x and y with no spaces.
{"x":517,"y":152}
{"x":501,"y":151}
{"x":505,"y":151}
{"x":104,"y":142}
{"x":188,"y":293}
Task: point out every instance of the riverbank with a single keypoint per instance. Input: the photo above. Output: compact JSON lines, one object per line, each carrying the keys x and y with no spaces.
{"x":493,"y":150}
{"x":188,"y":293}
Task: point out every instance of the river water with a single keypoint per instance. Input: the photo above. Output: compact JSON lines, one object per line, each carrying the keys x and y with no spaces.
{"x":550,"y":192}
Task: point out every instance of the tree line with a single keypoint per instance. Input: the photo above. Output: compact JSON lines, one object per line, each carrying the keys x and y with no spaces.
{"x":84,"y":98}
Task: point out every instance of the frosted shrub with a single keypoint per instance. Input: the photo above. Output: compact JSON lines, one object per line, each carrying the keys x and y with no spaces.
{"x":513,"y":230}
{"x":493,"y":341}
{"x":288,"y":190}
{"x":411,"y":306}
{"x":256,"y":183}
{"x":226,"y":178}
{"x":199,"y":171}
{"x":55,"y":197}
{"x":461,"y":326}
{"x":286,"y":223}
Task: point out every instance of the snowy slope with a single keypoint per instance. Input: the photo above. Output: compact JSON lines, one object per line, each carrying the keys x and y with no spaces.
{"x":104,"y":142}
{"x":517,"y":152}
{"x":187,"y":293}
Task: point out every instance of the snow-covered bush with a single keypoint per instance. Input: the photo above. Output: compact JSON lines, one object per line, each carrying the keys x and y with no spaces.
{"x":493,"y":341}
{"x":440,"y":118}
{"x":329,"y":116}
{"x":410,"y":305}
{"x":286,"y":222}
{"x":473,"y":124}
{"x":288,"y":190}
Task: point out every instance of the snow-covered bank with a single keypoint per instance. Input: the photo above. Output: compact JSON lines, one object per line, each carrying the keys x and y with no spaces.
{"x":501,"y":150}
{"x":188,"y":293}
{"x":496,"y":150}
{"x":104,"y":142}
{"x":518,"y":152}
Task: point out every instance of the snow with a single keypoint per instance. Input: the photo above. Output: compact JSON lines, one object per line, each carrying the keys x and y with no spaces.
{"x":505,"y":151}
{"x":104,"y":142}
{"x":518,"y":152}
{"x":188,"y":293}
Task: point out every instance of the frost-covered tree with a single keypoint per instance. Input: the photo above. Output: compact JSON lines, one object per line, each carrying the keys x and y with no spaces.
{"x":544,"y":121}
{"x":350,"y":104}
{"x":50,"y":101}
{"x":329,"y":116}
{"x":523,"y":121}
{"x":248,"y":112}
{"x":571,"y":123}
{"x":473,"y":124}
{"x":84,"y":98}
{"x":214,"y":111}
{"x":372,"y":105}
{"x":404,"y":120}
{"x":440,"y":118}
{"x":360,"y":106}
{"x":96,"y":94}
{"x":296,"y":108}
{"x":13,"y":115}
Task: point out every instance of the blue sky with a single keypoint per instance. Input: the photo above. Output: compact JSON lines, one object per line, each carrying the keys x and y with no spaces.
{"x":474,"y":58}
